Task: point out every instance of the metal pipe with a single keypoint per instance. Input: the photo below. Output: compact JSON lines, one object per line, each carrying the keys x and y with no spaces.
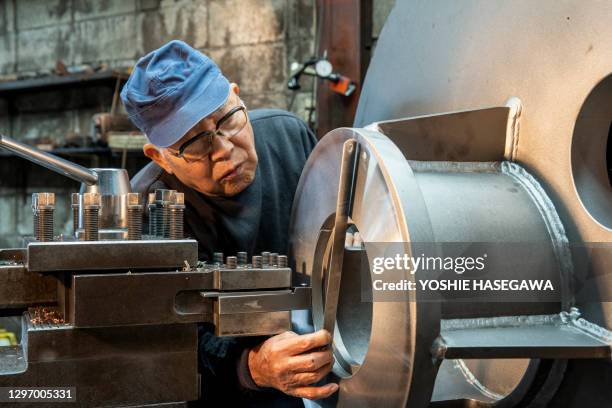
{"x":57,"y":164}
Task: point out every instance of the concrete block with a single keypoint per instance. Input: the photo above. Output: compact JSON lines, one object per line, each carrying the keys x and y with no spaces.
{"x":265,"y":100}
{"x":7,"y":17}
{"x":42,"y":13}
{"x":105,"y":39}
{"x":85,"y":9}
{"x":235,"y":22}
{"x":301,"y":19}
{"x":186,"y":21}
{"x":40,"y":49}
{"x":255,"y":68}
{"x":7,"y":53}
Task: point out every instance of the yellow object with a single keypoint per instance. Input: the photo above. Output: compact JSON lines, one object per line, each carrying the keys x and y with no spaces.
{"x":7,"y":338}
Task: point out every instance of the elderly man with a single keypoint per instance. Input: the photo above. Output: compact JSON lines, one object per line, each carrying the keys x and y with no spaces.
{"x":239,"y":171}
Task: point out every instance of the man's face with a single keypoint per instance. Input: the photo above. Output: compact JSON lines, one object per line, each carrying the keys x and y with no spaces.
{"x":229,"y":167}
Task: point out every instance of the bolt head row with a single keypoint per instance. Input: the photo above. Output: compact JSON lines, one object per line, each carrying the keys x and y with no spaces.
{"x":43,"y":200}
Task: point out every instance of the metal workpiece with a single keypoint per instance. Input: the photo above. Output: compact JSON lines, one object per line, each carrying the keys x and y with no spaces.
{"x":217,"y":258}
{"x":91,"y":216}
{"x":43,"y":207}
{"x":273,"y":259}
{"x":134,"y":211}
{"x":568,"y":158}
{"x":435,"y":201}
{"x":562,"y":335}
{"x":152,"y":210}
{"x":177,"y":213}
{"x":232,"y":262}
{"x":112,"y":187}
{"x":265,"y":258}
{"x":242,"y":258}
{"x":164,"y":198}
{"x":57,"y":164}
{"x":282,"y":261}
{"x":75,"y":207}
{"x":257,"y":261}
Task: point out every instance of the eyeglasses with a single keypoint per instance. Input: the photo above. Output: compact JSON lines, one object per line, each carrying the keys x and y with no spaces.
{"x":199,"y":147}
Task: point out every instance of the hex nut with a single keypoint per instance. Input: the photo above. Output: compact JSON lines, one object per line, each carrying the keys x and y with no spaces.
{"x":91,"y":200}
{"x":133,"y":199}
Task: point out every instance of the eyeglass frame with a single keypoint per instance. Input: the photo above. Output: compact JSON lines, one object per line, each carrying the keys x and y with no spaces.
{"x":210,"y":133}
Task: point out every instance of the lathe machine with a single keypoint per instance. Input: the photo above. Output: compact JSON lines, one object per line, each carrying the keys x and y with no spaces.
{"x":479,"y":122}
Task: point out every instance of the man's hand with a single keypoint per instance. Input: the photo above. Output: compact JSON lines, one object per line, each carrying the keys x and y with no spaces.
{"x":290,"y":363}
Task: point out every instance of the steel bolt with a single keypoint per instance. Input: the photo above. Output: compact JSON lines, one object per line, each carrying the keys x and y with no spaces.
{"x":242,"y":258}
{"x":163,"y":199}
{"x":257,"y":261}
{"x":232,"y":262}
{"x":74,"y":199}
{"x":218,"y":258}
{"x":265,"y":258}
{"x":177,"y":210}
{"x":91,"y":215}
{"x":152,"y":207}
{"x":134,"y":213}
{"x":282,"y":261}
{"x":273,"y":259}
{"x":43,"y":206}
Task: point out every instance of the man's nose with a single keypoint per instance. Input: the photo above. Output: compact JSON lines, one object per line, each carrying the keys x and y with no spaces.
{"x":221,"y":149}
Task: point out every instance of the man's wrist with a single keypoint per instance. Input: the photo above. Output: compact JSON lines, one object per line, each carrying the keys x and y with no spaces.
{"x":245,"y":375}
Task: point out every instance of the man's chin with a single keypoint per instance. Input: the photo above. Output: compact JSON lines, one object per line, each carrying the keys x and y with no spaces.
{"x":232,"y":188}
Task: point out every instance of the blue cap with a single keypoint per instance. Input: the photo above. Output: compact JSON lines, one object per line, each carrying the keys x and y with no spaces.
{"x":171,"y":89}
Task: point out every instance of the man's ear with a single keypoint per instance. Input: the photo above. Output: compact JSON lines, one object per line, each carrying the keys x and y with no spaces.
{"x":153,"y":153}
{"x":234,"y":87}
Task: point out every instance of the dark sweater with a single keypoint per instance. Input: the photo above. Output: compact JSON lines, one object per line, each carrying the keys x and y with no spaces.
{"x":255,"y":220}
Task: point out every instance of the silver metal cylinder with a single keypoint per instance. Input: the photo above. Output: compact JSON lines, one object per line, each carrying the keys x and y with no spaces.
{"x":177,"y":210}
{"x":257,"y":261}
{"x":57,"y":164}
{"x":282,"y":261}
{"x":152,"y":207}
{"x":43,"y":206}
{"x":265,"y":258}
{"x":232,"y":262}
{"x":74,"y":200}
{"x":134,"y":209}
{"x":273,"y":259}
{"x":91,"y":216}
{"x":163,"y":198}
{"x":218,"y":258}
{"x":242,"y":258}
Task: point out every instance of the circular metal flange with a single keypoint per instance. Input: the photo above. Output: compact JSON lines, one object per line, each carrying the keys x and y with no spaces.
{"x":397,"y":359}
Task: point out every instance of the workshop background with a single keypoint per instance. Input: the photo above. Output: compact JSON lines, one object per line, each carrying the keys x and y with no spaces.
{"x":47,"y":45}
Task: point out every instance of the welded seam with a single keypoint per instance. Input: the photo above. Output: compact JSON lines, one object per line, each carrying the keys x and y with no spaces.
{"x":419,"y":166}
{"x":553,"y":224}
{"x":472,"y":380}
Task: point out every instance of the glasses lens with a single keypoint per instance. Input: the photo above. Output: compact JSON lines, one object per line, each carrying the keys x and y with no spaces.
{"x":198,"y":149}
{"x":233,"y":124}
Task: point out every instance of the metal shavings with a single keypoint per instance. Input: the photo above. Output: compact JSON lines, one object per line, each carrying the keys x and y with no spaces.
{"x":45,"y":315}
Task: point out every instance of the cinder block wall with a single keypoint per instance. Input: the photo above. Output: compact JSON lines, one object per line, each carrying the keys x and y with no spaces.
{"x":254,"y":42}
